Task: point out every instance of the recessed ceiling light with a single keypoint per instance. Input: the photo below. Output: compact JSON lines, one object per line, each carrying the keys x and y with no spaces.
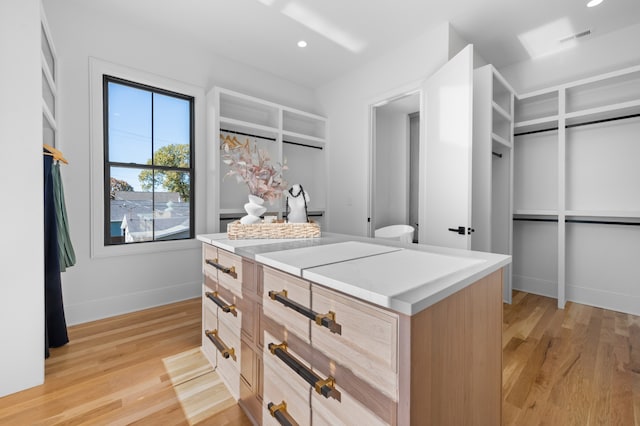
{"x":303,"y":43}
{"x":594,"y":3}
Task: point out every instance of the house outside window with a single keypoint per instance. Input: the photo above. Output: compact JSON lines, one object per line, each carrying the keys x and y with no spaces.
{"x":148,"y":163}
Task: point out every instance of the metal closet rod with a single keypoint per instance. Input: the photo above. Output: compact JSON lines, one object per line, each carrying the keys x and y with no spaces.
{"x":568,"y":126}
{"x":497,"y":154}
{"x":270,"y":139}
{"x":598,"y":222}
{"x":240,"y":217}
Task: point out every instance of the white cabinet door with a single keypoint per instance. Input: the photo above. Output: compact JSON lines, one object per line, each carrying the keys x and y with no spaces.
{"x":445,"y":154}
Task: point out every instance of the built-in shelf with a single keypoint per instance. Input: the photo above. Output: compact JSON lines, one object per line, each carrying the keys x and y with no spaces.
{"x":608,"y":113}
{"x":303,"y":139}
{"x":500,"y":140}
{"x":290,"y":137}
{"x":492,"y":169}
{"x":502,"y":112}
{"x":536,"y":125}
{"x":576,"y":173}
{"x":604,"y":213}
{"x":530,"y":212}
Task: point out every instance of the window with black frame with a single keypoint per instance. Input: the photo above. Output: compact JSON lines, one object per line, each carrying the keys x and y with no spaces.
{"x":148,"y":163}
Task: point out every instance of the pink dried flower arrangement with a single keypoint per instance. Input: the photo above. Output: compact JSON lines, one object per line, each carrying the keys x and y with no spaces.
{"x":253,"y":167}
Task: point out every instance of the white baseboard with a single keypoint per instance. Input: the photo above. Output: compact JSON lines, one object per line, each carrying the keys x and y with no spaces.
{"x":535,"y":286}
{"x":122,"y":304}
{"x":627,"y":303}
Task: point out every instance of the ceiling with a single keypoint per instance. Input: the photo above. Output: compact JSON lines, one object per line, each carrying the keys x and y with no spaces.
{"x":343,"y":34}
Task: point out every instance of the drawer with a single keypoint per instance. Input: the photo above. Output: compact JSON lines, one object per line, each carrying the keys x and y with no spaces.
{"x":248,"y":366}
{"x":367,"y":343}
{"x":210,"y":283}
{"x":230,"y":272}
{"x":229,"y":367}
{"x":231,"y":340}
{"x":209,"y":322}
{"x":280,"y":384}
{"x":231,"y":310}
{"x":330,"y":412}
{"x":209,"y":253}
{"x":297,"y":291}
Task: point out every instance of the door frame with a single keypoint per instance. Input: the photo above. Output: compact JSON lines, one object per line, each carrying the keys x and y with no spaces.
{"x":379,"y":101}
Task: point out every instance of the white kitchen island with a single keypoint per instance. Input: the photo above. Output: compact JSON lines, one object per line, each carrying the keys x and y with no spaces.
{"x":352,"y":330}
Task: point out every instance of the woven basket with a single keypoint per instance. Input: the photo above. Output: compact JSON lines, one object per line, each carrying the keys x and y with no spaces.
{"x":238,"y":231}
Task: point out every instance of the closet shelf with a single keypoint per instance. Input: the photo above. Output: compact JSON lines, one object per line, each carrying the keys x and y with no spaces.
{"x":603,"y":213}
{"x":536,"y":125}
{"x":608,"y":112}
{"x":303,"y":139}
{"x":530,"y":212}
{"x":500,"y":140}
{"x":501,"y":111}
{"x":49,"y":116}
{"x":246,"y":126}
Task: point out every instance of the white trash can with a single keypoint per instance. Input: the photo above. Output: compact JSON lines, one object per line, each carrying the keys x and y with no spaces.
{"x":403,"y":233}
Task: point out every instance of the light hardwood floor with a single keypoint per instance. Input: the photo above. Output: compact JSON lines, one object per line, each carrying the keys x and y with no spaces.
{"x":124,"y":370}
{"x":578,"y":366}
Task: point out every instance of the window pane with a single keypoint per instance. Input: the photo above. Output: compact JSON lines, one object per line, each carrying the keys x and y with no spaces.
{"x":172,"y":206}
{"x":171,"y":129}
{"x":48,"y":54}
{"x":131,"y":205}
{"x":129,"y":124}
{"x":147,"y":204}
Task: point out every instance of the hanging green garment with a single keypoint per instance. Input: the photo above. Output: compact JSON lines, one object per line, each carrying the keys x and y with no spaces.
{"x":66,"y":253}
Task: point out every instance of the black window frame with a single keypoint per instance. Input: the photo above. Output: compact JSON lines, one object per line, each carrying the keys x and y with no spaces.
{"x":119,"y":241}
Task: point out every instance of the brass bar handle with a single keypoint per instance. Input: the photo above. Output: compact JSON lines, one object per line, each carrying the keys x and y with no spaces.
{"x":226,"y":308}
{"x":224,"y":350}
{"x":231,"y":270}
{"x":325,"y":387}
{"x":281,"y":414}
{"x":327,"y":320}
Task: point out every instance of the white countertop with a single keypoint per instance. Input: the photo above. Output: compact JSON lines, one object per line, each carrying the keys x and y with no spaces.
{"x":296,"y":260}
{"x":405,"y":281}
{"x":406,"y":278}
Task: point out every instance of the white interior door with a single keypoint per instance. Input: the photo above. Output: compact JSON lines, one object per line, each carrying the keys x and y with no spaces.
{"x":445,"y":154}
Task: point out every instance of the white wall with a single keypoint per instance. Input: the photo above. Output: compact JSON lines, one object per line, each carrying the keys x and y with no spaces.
{"x":392,"y":184}
{"x":457,"y":43}
{"x":22,"y":271}
{"x":610,"y":52}
{"x":106,"y":286}
{"x":345,"y":101}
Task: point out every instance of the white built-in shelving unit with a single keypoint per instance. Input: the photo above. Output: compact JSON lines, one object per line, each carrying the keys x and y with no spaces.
{"x":577,"y":192}
{"x":290,"y":136}
{"x":492,"y":167}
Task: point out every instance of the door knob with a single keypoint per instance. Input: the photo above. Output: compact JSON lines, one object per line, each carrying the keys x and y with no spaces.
{"x":460,"y":230}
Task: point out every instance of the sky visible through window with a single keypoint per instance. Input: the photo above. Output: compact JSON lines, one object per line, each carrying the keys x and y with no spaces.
{"x":130,"y":127}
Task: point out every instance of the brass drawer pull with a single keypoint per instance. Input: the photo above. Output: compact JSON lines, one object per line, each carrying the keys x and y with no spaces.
{"x":280,"y":413}
{"x":327,"y":320}
{"x":225,"y":307}
{"x":224,"y":350}
{"x":325,"y":387}
{"x":227,"y":270}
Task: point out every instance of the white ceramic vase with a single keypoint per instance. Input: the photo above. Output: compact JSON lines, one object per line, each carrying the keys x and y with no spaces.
{"x":254,"y":209}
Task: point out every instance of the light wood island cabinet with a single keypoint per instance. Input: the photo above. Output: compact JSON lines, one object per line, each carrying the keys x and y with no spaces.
{"x":293,"y":351}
